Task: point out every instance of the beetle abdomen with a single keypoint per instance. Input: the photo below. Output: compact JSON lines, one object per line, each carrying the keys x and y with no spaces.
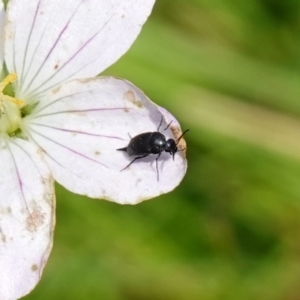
{"x":139,"y":145}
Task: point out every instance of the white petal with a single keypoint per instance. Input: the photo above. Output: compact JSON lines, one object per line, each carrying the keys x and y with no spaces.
{"x":48,"y":42}
{"x":2,"y":17}
{"x":27,"y":203}
{"x":83,"y":126}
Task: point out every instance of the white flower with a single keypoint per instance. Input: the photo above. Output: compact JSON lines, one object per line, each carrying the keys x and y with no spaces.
{"x":62,"y":123}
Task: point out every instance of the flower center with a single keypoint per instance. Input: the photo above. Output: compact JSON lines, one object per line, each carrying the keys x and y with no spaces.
{"x":10,"y":108}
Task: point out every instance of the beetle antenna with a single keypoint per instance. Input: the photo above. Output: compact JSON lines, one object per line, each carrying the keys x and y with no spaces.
{"x":182,"y":136}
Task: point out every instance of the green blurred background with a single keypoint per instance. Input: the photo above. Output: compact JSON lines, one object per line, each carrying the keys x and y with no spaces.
{"x":230,"y":71}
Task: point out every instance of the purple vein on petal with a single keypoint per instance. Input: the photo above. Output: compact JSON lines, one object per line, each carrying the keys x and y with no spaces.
{"x":39,"y":109}
{"x":32,"y":161}
{"x":46,"y":153}
{"x":68,"y":148}
{"x":28,"y":40}
{"x":27,"y":154}
{"x":14,"y":47}
{"x":82,"y":111}
{"x":79,"y":132}
{"x":18,"y":177}
{"x":70,"y":60}
{"x":47,"y":24}
{"x":49,"y":196}
{"x":55,"y":44}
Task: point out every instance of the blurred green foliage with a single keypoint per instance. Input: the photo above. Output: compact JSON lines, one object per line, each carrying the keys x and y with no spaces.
{"x":229,"y":71}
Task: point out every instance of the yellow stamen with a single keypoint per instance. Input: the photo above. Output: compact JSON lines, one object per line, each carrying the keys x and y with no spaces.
{"x":7,"y":80}
{"x":10,"y":108}
{"x":20,"y":103}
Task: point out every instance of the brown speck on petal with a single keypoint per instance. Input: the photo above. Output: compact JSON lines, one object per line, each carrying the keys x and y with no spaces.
{"x":2,"y":236}
{"x":40,"y":151}
{"x":5,"y":210}
{"x":56,"y":90}
{"x":85,"y":80}
{"x":35,"y":220}
{"x":80,"y":113}
{"x":34,"y":268}
{"x":129,"y":96}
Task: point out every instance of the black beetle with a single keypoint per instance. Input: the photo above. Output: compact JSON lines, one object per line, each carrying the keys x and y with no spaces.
{"x":148,"y":143}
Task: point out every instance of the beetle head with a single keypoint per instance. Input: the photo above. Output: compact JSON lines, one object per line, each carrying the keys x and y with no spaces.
{"x":171,"y":147}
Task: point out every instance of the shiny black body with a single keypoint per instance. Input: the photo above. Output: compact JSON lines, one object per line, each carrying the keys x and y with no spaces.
{"x":148,"y":143}
{"x":145,"y":144}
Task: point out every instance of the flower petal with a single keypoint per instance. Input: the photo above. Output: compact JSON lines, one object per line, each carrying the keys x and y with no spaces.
{"x":48,"y":42}
{"x":2,"y":17}
{"x":27,"y":203}
{"x":84,"y":124}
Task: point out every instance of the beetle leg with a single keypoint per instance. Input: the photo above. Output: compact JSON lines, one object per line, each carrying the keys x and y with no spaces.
{"x":156,"y":160}
{"x":160,"y":124}
{"x":168,"y":126}
{"x":134,"y":161}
